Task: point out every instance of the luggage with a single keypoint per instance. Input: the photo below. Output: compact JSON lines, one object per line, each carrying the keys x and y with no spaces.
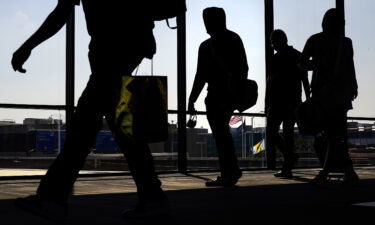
{"x":142,"y":110}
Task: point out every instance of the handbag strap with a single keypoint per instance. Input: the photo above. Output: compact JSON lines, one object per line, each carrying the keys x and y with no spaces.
{"x":152,"y":68}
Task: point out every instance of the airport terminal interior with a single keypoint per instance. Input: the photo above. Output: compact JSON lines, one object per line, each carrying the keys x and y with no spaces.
{"x":37,"y":107}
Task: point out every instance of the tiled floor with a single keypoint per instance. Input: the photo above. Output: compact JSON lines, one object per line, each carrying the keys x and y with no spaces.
{"x":259,"y":198}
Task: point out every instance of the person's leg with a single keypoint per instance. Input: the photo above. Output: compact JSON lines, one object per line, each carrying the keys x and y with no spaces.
{"x":80,"y":138}
{"x":273,"y":138}
{"x":55,"y":187}
{"x":338,"y":147}
{"x":219,"y":123}
{"x":152,"y":199}
{"x":141,"y":164}
{"x":320,"y":146}
{"x":290,"y":157}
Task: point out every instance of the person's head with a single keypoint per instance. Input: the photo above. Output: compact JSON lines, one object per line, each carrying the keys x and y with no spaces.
{"x":214,"y":20}
{"x":332,"y":22}
{"x":279,"y":39}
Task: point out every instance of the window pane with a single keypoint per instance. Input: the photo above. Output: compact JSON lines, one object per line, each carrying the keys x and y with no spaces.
{"x":44,"y":82}
{"x":300,"y":19}
{"x":360,"y":28}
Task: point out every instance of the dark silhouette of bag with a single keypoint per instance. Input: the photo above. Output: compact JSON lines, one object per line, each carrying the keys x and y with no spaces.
{"x":310,"y":117}
{"x":142,"y":111}
{"x":244,"y":94}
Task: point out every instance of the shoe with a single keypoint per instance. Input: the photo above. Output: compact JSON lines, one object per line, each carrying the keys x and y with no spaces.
{"x":50,"y":210}
{"x":224,"y":181}
{"x":350,"y":179}
{"x":284,"y":174}
{"x":320,"y":179}
{"x":154,"y":209}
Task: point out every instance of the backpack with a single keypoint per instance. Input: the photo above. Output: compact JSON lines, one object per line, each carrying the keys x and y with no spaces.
{"x":167,"y":9}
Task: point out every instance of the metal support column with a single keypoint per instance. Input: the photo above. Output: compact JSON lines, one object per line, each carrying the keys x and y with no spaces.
{"x":69,"y":91}
{"x":268,"y":27}
{"x":340,"y":6}
{"x":181,"y":93}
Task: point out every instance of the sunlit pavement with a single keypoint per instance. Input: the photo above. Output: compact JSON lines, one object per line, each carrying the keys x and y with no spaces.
{"x":259,"y":198}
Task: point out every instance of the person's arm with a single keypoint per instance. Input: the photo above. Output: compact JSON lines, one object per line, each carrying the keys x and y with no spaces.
{"x":351,"y":71}
{"x":199,"y":82}
{"x":54,"y":22}
{"x":306,"y":84}
{"x":305,"y":62}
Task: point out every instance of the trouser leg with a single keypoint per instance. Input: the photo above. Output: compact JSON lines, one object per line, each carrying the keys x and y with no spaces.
{"x":337,"y":154}
{"x":273,"y":139}
{"x":219,"y":123}
{"x":320,"y":147}
{"x":141,"y":164}
{"x":98,"y":99}
{"x":288,"y":147}
{"x":80,"y":138}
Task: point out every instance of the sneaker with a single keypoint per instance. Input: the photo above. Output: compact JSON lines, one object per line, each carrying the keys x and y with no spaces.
{"x":284,"y":174}
{"x":224,"y":181}
{"x":50,"y":210}
{"x":152,"y":209}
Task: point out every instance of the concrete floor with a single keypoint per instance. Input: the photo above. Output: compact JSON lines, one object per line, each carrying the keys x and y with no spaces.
{"x":259,"y":198}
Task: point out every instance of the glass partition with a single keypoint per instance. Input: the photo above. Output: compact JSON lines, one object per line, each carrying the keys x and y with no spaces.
{"x":44,"y":81}
{"x":359,"y":27}
{"x":300,"y":19}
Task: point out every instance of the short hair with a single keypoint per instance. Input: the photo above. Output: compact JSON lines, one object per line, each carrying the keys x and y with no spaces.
{"x":279,"y":36}
{"x":332,"y":21}
{"x":215,"y":14}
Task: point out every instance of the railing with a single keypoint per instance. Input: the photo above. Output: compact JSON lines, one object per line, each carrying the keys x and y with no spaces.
{"x":202,"y":159}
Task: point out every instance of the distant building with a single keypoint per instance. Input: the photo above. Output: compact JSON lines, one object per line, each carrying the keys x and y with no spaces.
{"x":197,"y":142}
{"x":7,"y":122}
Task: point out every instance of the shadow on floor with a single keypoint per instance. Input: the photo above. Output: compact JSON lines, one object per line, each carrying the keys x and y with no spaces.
{"x":272,"y":204}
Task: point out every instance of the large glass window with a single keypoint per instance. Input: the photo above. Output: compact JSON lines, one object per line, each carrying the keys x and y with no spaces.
{"x":300,"y":19}
{"x":360,"y":28}
{"x":44,"y":82}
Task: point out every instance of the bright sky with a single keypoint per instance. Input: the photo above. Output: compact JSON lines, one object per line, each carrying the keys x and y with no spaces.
{"x":44,"y":83}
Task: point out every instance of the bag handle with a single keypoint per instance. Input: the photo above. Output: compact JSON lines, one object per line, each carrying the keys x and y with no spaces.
{"x":152,"y":68}
{"x":170,"y":27}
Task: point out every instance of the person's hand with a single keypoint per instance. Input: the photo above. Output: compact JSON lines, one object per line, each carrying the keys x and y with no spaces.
{"x":191,"y":108}
{"x":19,"y":58}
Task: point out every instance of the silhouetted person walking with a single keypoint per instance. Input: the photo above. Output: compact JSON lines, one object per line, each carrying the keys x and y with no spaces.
{"x":329,"y":55}
{"x":283,"y":95}
{"x":221,"y":59}
{"x":121,"y":36}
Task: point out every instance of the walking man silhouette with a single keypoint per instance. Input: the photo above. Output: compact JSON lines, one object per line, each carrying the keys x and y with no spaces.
{"x":121,"y":37}
{"x":283,"y":95}
{"x":329,"y":54}
{"x":221,"y":59}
